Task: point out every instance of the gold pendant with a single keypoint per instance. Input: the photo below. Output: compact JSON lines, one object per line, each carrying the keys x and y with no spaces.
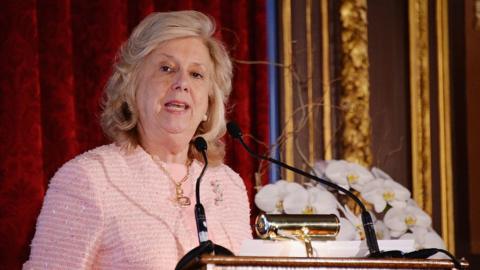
{"x":182,"y":200}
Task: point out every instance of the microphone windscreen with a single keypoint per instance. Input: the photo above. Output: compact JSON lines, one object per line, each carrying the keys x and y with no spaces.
{"x":200,"y":144}
{"x":234,"y":130}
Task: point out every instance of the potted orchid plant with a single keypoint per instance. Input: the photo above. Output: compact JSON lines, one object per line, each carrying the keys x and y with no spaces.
{"x":395,"y":213}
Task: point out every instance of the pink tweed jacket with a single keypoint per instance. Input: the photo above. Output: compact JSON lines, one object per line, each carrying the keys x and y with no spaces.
{"x":109,"y":210}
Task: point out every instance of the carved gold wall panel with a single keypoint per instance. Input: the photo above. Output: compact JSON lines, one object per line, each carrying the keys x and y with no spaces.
{"x":355,"y":97}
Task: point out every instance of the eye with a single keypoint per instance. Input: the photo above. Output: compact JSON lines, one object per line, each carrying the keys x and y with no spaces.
{"x":166,"y":68}
{"x":196,"y":75}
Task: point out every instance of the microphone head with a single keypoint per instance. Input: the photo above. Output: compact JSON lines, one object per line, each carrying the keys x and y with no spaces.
{"x":234,"y":130}
{"x":200,"y":144}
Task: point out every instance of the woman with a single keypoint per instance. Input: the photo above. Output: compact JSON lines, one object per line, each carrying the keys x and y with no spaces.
{"x":129,"y":205}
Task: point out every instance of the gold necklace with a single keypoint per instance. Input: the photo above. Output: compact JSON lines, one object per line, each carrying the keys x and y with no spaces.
{"x":180,"y":198}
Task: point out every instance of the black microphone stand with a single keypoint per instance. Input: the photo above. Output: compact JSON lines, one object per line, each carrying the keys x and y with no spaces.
{"x":206,"y":246}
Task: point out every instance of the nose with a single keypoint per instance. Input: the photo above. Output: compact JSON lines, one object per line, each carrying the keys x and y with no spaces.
{"x":181,"y":82}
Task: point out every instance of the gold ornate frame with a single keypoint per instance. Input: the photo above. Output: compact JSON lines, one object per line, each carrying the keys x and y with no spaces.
{"x":420,"y":103}
{"x":326,"y":89}
{"x":288,"y":82}
{"x":444,"y":125}
{"x":311,"y":124}
{"x":421,"y":117}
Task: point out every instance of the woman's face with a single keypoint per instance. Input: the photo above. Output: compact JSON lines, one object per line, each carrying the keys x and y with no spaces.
{"x":174,"y":83}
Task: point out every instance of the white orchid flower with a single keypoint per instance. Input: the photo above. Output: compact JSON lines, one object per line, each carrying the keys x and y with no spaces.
{"x":322,"y":201}
{"x":347,"y":174}
{"x":379,"y":192}
{"x":404,"y":219}
{"x":378,"y":173}
{"x":412,"y":202}
{"x":292,"y":187}
{"x":347,"y":231}
{"x":382,"y":232}
{"x":281,"y":184}
{"x":296,"y":200}
{"x":426,"y":238}
{"x":270,"y":197}
{"x":267,"y":198}
{"x":355,"y":221}
{"x":399,"y":220}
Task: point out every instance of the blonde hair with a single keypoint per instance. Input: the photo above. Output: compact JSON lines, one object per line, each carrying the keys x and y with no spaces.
{"x":119,"y":119}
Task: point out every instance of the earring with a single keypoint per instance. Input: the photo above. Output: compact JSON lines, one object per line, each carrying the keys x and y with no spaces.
{"x":205,"y":118}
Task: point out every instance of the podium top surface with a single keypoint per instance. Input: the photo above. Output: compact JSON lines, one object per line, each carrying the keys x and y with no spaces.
{"x":349,"y":263}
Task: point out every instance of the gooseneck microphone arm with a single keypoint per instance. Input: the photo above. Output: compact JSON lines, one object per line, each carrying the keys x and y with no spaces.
{"x":367,"y":221}
{"x":199,"y":179}
{"x":200,"y":217}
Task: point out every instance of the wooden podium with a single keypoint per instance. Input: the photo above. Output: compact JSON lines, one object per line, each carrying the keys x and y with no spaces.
{"x":209,"y":262}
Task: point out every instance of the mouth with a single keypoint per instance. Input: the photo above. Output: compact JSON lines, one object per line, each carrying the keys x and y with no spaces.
{"x":176,"y":106}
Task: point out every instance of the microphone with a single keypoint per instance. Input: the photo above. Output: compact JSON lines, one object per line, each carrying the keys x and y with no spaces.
{"x":200,"y":216}
{"x":367,"y":221}
{"x":206,"y":246}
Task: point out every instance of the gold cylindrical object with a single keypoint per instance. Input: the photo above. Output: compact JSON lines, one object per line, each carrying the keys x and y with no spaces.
{"x":316,"y":227}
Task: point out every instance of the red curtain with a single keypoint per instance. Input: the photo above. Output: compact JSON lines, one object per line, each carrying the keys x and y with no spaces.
{"x":55,"y":59}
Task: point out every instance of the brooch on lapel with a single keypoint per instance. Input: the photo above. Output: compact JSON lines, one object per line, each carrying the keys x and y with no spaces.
{"x":217,"y":189}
